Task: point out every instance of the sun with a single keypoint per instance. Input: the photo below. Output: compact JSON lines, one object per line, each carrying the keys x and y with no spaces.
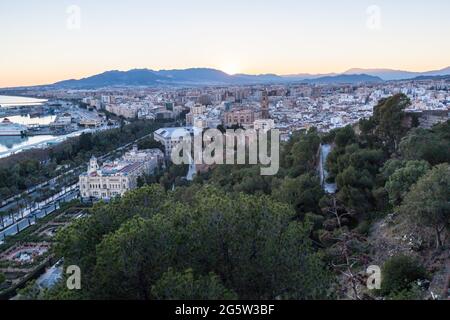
{"x":230,"y":68}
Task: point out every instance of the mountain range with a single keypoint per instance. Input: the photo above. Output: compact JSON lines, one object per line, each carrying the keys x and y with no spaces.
{"x":389,"y":74}
{"x":146,"y":77}
{"x":208,"y":76}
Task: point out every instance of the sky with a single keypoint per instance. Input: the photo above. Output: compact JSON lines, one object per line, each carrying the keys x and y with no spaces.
{"x":46,"y":41}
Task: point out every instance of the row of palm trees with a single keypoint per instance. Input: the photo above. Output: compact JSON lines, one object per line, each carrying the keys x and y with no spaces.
{"x":17,"y":212}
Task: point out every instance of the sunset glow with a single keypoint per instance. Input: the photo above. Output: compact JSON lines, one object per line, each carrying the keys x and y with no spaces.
{"x":47,"y":41}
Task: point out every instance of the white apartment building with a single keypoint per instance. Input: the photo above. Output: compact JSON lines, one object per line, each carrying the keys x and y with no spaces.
{"x":124,"y":110}
{"x":196,"y":111}
{"x":116,"y":178}
{"x":171,"y":137}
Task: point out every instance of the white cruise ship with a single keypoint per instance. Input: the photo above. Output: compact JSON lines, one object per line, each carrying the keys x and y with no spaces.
{"x":7,"y":128}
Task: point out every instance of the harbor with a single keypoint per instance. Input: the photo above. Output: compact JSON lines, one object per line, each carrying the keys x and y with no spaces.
{"x":13,"y":102}
{"x":27,"y":123}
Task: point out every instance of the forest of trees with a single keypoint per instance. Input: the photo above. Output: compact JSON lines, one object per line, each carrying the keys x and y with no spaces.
{"x":233,"y":234}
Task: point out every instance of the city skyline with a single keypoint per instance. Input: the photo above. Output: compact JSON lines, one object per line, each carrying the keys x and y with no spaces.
{"x":51,"y":40}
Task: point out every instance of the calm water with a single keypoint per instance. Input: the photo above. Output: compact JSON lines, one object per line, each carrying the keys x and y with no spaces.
{"x":17,"y":143}
{"x":27,"y":120}
{"x":10,"y":145}
{"x":10,"y":101}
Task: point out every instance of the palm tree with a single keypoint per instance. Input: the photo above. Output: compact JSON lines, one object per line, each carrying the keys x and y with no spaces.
{"x":11,"y":214}
{"x":1,"y":218}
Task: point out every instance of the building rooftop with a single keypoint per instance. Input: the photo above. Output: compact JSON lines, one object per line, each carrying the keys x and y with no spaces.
{"x":174,"y":132}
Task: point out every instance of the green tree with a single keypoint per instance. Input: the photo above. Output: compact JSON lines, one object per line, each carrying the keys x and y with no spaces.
{"x":390,"y":120}
{"x":300,"y":154}
{"x":403,"y":178}
{"x":185,"y":286}
{"x":422,"y":144}
{"x":150,"y":143}
{"x":355,"y":189}
{"x":30,"y":292}
{"x":77,"y":243}
{"x":399,"y":273}
{"x":2,"y":278}
{"x":428,"y":201}
{"x":390,"y":167}
{"x":250,"y":242}
{"x":355,"y":171}
{"x":85,"y":142}
{"x":131,"y":259}
{"x":414,"y":293}
{"x":345,"y":136}
{"x":302,"y":193}
{"x":241,"y":179}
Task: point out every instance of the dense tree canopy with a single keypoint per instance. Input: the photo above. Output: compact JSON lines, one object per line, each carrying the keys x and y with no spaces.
{"x":428,"y":202}
{"x":251,"y":243}
{"x":300,"y":154}
{"x":390,"y":120}
{"x":400,"y":273}
{"x":303,"y":193}
{"x":355,"y":170}
{"x":403,"y":178}
{"x":185,"y":286}
{"x":432,"y":146}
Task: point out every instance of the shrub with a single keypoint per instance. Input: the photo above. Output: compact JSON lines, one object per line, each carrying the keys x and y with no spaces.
{"x":414,"y":293}
{"x":399,"y":274}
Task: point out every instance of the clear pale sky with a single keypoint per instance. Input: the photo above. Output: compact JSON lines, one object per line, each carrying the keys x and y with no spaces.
{"x":245,"y":36}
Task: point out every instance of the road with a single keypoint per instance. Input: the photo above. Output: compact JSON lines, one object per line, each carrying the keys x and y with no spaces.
{"x":11,"y":219}
{"x":26,"y":217}
{"x":33,"y":215}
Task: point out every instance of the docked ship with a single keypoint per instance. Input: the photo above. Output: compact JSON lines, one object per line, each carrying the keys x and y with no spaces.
{"x":8,"y":128}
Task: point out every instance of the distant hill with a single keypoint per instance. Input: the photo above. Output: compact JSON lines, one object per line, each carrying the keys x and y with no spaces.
{"x":198,"y":76}
{"x":447,"y":77}
{"x":145,"y":77}
{"x":389,"y":74}
{"x":208,"y":76}
{"x":346,"y":78}
{"x":115,"y":78}
{"x":308,"y":76}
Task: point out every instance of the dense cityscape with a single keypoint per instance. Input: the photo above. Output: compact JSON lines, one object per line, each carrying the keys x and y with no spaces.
{"x":227,"y":182}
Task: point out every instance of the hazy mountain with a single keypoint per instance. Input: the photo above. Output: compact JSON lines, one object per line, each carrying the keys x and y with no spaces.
{"x":196,"y":75}
{"x":208,"y":76}
{"x":259,"y":78}
{"x":307,"y":76}
{"x":441,"y":72}
{"x":345,"y":78}
{"x":136,"y":77}
{"x":390,"y":74}
{"x":447,"y":77}
{"x":199,"y":76}
{"x":145,"y":77}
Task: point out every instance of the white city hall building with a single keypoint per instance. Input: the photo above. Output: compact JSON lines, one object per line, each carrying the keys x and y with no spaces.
{"x":116,"y":178}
